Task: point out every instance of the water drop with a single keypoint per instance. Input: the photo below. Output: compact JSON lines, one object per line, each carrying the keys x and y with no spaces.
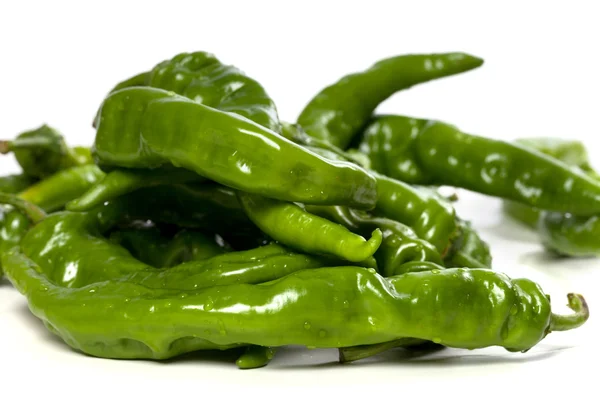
{"x":209,"y":305}
{"x":307,"y":325}
{"x":322,"y":333}
{"x":346,"y":304}
{"x":371,"y":270}
{"x":437,"y":340}
{"x":207,"y":332}
{"x":435,"y":271}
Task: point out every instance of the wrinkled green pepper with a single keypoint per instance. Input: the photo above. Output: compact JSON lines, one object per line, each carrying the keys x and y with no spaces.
{"x":201,"y":77}
{"x":435,"y":153}
{"x":453,"y":307}
{"x":340,"y":111}
{"x":149,"y":128}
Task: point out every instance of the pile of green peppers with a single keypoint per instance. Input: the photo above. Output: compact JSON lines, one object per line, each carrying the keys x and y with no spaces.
{"x":199,"y":220}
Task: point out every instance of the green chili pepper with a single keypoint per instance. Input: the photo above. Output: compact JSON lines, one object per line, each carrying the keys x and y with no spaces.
{"x":146,"y":128}
{"x":42,"y":152}
{"x":122,"y":181}
{"x":563,"y":234}
{"x":400,"y":245}
{"x":434,"y":153}
{"x":341,"y":111}
{"x":468,"y":249}
{"x":291,"y":225}
{"x":154,"y":248}
{"x":15,"y":183}
{"x":58,"y":189}
{"x":356,"y":307}
{"x":201,"y":77}
{"x":13,"y":225}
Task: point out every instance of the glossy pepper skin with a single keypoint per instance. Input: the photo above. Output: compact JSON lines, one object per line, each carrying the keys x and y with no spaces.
{"x":13,"y":225}
{"x":122,"y":181}
{"x":400,"y":245}
{"x":53,"y":192}
{"x":357,"y":307}
{"x":562,"y":233}
{"x":42,"y":152}
{"x":340,"y":111}
{"x":468,"y":249}
{"x":435,"y":153}
{"x":149,"y":128}
{"x":289,"y":224}
{"x":201,"y":77}
{"x":15,"y":183}
{"x":154,"y":248}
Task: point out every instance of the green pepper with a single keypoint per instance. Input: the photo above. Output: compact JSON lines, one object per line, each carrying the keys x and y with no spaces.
{"x":15,"y":183}
{"x":400,"y":244}
{"x":13,"y":225}
{"x":454,"y":307}
{"x":42,"y":152}
{"x":435,"y":153}
{"x":53,"y":192}
{"x":563,"y":234}
{"x":289,"y":224}
{"x":201,"y":77}
{"x":148,"y":128}
{"x":341,"y":111}
{"x":122,"y":181}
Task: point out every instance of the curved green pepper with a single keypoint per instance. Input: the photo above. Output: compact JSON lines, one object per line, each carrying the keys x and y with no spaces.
{"x":136,"y":130}
{"x":42,"y":152}
{"x":289,"y":224}
{"x":454,"y":307}
{"x":13,"y":225}
{"x":431,"y":152}
{"x":340,"y":111}
{"x":400,"y":245}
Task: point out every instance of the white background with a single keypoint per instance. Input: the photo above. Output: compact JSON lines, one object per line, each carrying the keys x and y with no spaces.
{"x":540,"y":77}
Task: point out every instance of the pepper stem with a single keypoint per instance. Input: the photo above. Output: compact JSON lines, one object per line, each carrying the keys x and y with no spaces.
{"x":33,"y":212}
{"x":4,"y":146}
{"x":566,"y":322}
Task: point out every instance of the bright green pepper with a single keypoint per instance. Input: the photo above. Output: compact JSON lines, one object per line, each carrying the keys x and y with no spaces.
{"x":13,"y":225}
{"x":53,"y":192}
{"x":434,"y":153}
{"x":340,"y":111}
{"x":289,"y":224}
{"x":453,"y":307}
{"x":42,"y":152}
{"x":137,"y":130}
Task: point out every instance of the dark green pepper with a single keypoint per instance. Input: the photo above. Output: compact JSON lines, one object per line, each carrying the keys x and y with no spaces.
{"x":435,"y":153}
{"x":42,"y":152}
{"x":201,"y":77}
{"x":122,"y":181}
{"x":153,"y":247}
{"x":341,"y":111}
{"x":137,"y":129}
{"x":15,"y":183}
